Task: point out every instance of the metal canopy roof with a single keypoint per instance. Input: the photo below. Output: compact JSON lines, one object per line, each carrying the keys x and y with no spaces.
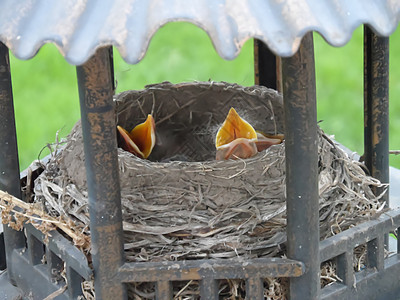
{"x":78,"y":27}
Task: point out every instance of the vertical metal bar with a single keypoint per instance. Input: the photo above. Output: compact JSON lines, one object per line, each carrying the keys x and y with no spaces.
{"x":3,"y":264}
{"x":100,"y":146}
{"x":279,"y":83}
{"x":376,"y":106}
{"x":54,"y":264}
{"x":264,"y":65}
{"x":344,"y":268}
{"x":398,"y":240}
{"x":209,"y":289}
{"x":301,"y":143}
{"x":9,"y":165}
{"x":111,"y":58}
{"x":254,"y":288}
{"x":376,"y":109}
{"x":164,"y":290}
{"x":74,"y":281}
{"x":376,"y":253}
{"x":35,"y":249}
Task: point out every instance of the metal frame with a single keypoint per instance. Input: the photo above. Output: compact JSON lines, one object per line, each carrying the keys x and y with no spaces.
{"x":301,"y":147}
{"x":95,"y":84}
{"x":9,"y":165}
{"x":305,"y":251}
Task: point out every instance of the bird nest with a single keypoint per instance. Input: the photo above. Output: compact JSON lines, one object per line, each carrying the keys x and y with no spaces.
{"x":183,"y":204}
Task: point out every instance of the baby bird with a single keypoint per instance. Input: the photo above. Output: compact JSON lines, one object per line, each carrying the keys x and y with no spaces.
{"x":238,"y":139}
{"x":141,"y":140}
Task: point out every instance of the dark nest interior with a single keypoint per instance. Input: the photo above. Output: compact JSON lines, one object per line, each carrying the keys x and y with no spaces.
{"x":182,"y":204}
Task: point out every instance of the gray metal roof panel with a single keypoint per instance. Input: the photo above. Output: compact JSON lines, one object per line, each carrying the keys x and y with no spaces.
{"x":78,"y":27}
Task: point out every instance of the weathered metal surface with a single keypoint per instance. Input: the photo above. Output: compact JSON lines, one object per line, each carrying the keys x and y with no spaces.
{"x":376,"y":252}
{"x":377,"y":280}
{"x":254,"y":288}
{"x":209,"y":288}
{"x":63,"y":249}
{"x":9,"y":166}
{"x":344,"y":268}
{"x":376,"y":106}
{"x":100,"y":147}
{"x":74,"y":283}
{"x":301,"y":148}
{"x":35,"y":281}
{"x":54,"y":265}
{"x":35,"y":250}
{"x":3,"y":264}
{"x":39,"y":278}
{"x":164,"y":290}
{"x":358,"y":235}
{"x":210,"y":269}
{"x":398,"y":239}
{"x":78,"y":27}
{"x":369,"y":284}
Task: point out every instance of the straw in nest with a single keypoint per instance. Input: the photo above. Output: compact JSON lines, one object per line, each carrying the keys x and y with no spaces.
{"x":182,"y":204}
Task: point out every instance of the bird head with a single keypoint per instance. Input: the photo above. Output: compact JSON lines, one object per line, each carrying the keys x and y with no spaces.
{"x":238,"y":139}
{"x":141,"y":140}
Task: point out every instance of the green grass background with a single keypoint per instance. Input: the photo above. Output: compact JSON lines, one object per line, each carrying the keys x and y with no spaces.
{"x":46,"y":93}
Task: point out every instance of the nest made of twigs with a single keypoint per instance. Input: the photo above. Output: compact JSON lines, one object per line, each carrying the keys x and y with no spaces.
{"x":181,"y":203}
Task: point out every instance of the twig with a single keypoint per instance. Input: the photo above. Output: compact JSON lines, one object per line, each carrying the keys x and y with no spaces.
{"x":395,"y":152}
{"x":9,"y":199}
{"x":183,"y":289}
{"x":56,"y":293}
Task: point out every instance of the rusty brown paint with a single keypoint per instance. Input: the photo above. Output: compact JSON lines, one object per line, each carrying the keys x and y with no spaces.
{"x":358,"y":235}
{"x":212,"y":269}
{"x":100,"y":146}
{"x":368,"y":284}
{"x":376,"y":106}
{"x":209,"y":288}
{"x":164,"y":290}
{"x":254,"y":288}
{"x":298,"y":79}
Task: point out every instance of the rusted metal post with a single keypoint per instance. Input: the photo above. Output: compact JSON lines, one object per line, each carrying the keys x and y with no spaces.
{"x":301,"y":142}
{"x":376,"y":106}
{"x":209,"y":289}
{"x":100,"y":145}
{"x":9,"y":165}
{"x":376,"y":114}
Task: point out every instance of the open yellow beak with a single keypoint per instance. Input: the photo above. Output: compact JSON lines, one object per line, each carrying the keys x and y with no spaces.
{"x":236,"y":138}
{"x":234,"y":127}
{"x":141,"y":140}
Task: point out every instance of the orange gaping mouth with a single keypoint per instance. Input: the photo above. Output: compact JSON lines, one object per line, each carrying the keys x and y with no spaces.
{"x":234,"y":127}
{"x":237,"y":138}
{"x":141,"y":140}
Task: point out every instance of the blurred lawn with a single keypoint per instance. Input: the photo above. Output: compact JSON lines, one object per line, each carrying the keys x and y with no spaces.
{"x":46,"y":94}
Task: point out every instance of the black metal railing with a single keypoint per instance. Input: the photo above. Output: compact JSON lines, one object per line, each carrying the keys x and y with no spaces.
{"x":41,"y":267}
{"x":208,"y":272}
{"x":305,"y":251}
{"x":9,"y":165}
{"x":377,"y":280}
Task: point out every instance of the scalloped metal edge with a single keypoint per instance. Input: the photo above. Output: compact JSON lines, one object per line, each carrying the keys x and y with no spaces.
{"x":79,"y":27}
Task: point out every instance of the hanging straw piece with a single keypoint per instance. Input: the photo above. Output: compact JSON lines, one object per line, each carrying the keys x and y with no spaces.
{"x":16,"y":212}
